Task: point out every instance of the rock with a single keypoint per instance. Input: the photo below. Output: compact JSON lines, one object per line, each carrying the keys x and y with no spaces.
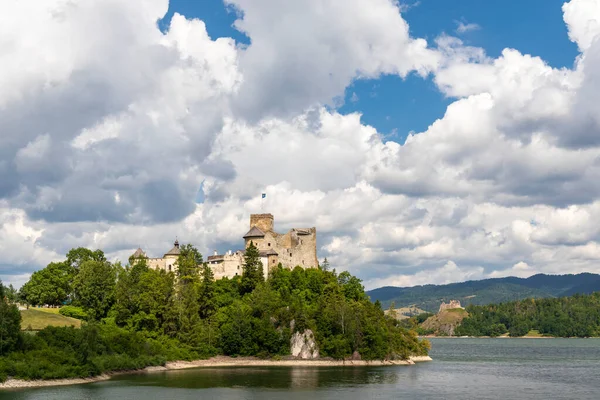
{"x":356,"y":356}
{"x":304,"y":346}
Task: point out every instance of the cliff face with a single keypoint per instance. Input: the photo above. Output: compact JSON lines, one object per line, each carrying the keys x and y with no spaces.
{"x":445,"y":322}
{"x":304,"y":346}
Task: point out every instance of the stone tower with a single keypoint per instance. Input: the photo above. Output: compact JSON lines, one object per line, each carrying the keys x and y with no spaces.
{"x":264,"y":222}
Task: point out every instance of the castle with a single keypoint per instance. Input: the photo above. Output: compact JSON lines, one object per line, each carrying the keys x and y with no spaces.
{"x":297,"y":247}
{"x":450,"y":306}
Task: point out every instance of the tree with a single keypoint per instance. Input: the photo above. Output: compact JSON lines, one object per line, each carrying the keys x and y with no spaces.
{"x":94,"y":287}
{"x":188,"y":263}
{"x":325,"y":265}
{"x":11,"y":293}
{"x":51,"y":285}
{"x":76,"y":257}
{"x":206,"y":293}
{"x":186,"y":300}
{"x":351,"y":286}
{"x":253,"y":270}
{"x":10,"y":324}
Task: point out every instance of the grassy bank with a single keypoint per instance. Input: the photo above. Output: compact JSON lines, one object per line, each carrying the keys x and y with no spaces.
{"x":36,"y":319}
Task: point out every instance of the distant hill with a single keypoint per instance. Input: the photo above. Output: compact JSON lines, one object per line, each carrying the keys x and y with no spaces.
{"x":487,"y":291}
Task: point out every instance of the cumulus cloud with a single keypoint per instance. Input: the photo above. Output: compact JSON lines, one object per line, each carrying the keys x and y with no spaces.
{"x":307,"y":53}
{"x":106,"y":142}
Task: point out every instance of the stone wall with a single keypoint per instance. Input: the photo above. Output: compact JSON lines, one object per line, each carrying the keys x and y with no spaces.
{"x":298,"y":247}
{"x":449,"y":306}
{"x":228,"y":265}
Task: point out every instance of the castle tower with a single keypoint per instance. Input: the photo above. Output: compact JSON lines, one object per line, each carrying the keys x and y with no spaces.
{"x":264,"y":222}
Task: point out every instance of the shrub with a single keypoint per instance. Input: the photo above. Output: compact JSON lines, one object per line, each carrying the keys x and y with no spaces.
{"x":73,"y":312}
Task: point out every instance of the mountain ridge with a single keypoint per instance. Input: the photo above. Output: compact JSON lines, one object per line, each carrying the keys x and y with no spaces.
{"x":487,"y":291}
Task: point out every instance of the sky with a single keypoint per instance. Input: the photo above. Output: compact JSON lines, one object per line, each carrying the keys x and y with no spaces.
{"x":429,"y":141}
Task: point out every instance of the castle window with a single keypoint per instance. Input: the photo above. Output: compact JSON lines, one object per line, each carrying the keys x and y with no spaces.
{"x":169,"y":268}
{"x":269,"y":244}
{"x":290,"y":254}
{"x":302,"y":262}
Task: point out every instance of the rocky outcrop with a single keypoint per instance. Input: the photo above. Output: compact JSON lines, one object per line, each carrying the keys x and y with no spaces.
{"x":445,"y":322}
{"x":304,"y":346}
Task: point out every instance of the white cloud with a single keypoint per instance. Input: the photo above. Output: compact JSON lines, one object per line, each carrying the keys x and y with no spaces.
{"x":106,"y":141}
{"x":583,"y":21}
{"x":307,"y":53}
{"x":464,"y":27}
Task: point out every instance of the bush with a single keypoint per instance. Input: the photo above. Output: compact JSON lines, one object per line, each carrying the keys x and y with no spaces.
{"x":73,"y":312}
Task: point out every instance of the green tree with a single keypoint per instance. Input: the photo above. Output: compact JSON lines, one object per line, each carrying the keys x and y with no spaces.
{"x":188,"y":263}
{"x":94,"y":287}
{"x":186,"y":303}
{"x":11,"y":293}
{"x":76,"y":257}
{"x":253,"y":270}
{"x":325,"y":266}
{"x":51,"y":285}
{"x":10,"y":324}
{"x":206,"y":293}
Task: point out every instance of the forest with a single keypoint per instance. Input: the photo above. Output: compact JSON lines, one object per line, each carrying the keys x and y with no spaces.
{"x":137,"y":317}
{"x":574,"y":316}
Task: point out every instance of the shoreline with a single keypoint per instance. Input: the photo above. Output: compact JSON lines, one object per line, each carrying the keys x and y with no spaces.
{"x":214,"y":362}
{"x":504,"y":337}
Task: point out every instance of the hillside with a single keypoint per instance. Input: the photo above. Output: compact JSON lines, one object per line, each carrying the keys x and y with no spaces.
{"x":444,"y":323}
{"x":488,"y":291}
{"x":574,"y":316}
{"x":35,"y":320}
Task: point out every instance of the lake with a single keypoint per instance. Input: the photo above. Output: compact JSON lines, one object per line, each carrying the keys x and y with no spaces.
{"x":462,"y":369}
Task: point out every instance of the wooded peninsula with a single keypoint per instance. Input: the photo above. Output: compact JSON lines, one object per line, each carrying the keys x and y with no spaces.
{"x":134,"y":316}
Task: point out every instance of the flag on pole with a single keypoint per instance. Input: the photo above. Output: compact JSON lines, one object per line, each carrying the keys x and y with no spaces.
{"x":264,"y":195}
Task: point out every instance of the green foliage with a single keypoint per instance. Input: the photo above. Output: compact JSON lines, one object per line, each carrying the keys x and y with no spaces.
{"x":138,"y":316}
{"x":576,"y":316}
{"x":51,"y":285}
{"x":325,"y":266}
{"x":93,"y":287}
{"x":253,"y":273}
{"x":68,"y":353}
{"x":206,"y":293}
{"x":76,"y":257}
{"x":10,"y":326}
{"x":188,"y":264}
{"x":73,"y":312}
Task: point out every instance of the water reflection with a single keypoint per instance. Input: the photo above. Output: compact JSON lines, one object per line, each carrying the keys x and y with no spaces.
{"x":462,"y":369}
{"x":304,"y":378}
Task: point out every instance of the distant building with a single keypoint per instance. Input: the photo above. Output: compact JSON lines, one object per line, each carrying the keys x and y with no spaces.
{"x":167,"y":263}
{"x":449,"y":306}
{"x":297,"y":247}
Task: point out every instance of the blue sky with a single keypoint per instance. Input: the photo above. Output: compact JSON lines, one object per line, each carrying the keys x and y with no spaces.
{"x":396,"y":106}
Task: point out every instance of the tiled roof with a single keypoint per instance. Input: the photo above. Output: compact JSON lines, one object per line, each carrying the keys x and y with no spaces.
{"x":254,"y":232}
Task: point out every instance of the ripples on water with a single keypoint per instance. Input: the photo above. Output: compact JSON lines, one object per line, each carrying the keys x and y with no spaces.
{"x":462,"y":369}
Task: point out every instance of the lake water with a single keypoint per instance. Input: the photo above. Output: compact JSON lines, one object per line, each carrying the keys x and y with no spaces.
{"x":462,"y":369}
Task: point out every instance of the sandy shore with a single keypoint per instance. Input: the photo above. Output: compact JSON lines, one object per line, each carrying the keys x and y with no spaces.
{"x":255,"y":362}
{"x":214,"y":362}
